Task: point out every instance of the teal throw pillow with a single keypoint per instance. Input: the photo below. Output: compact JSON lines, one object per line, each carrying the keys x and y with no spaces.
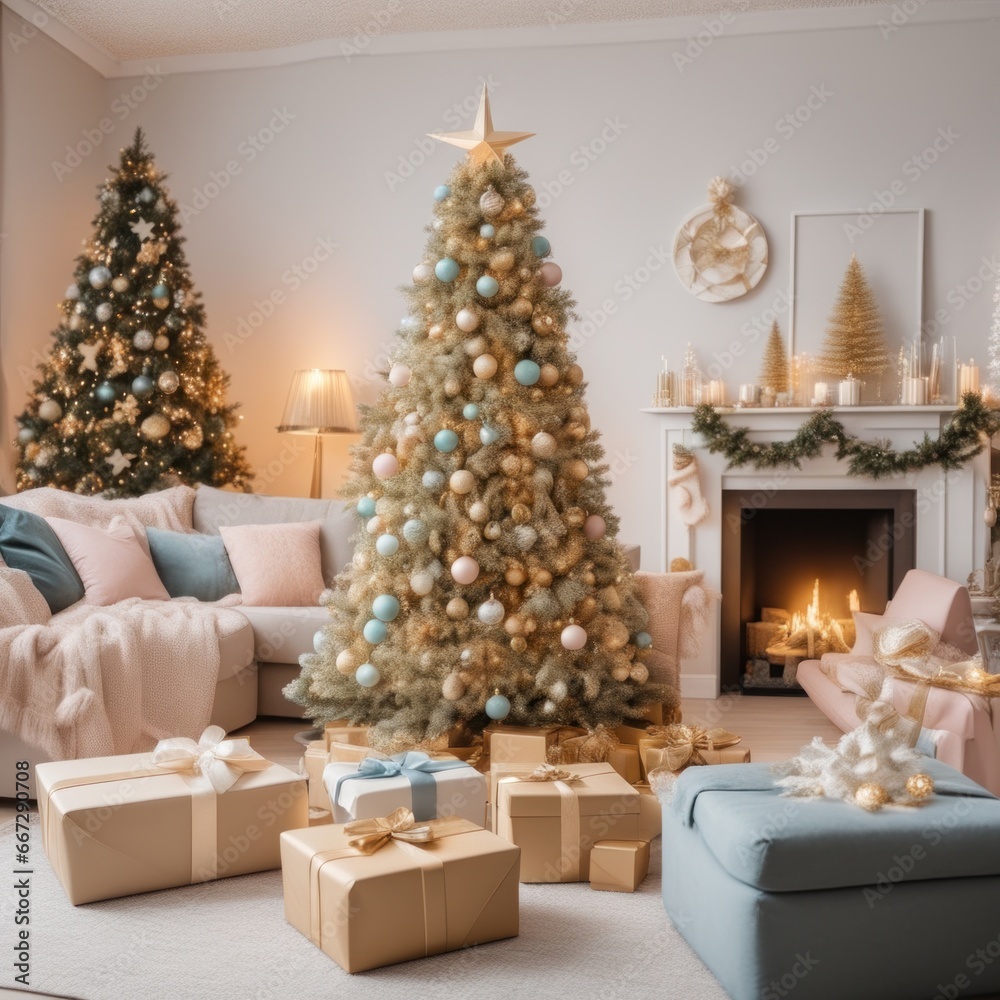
{"x":192,"y":565}
{"x":27,"y":542}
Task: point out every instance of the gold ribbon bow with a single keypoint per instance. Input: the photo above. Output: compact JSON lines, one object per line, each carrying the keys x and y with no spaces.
{"x":369,"y":835}
{"x":546,"y":772}
{"x":220,"y":760}
{"x":683,"y":744}
{"x":906,"y":650}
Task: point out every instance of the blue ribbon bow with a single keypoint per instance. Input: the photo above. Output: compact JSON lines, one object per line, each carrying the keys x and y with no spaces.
{"x":416,"y":767}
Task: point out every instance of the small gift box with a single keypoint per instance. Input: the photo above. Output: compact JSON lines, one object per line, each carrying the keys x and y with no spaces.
{"x":342,"y":731}
{"x":185,"y":813}
{"x":387,"y":890}
{"x":556,"y":816}
{"x":650,"y":813}
{"x":684,"y":745}
{"x":619,"y":865}
{"x":661,"y":758}
{"x":599,"y":746}
{"x":318,"y":754}
{"x":431,"y":786}
{"x":630,"y":733}
{"x":525,"y":744}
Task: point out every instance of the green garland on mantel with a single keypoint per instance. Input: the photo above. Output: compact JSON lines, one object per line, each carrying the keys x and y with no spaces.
{"x":963,"y":437}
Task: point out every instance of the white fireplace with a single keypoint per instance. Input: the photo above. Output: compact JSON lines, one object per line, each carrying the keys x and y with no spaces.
{"x":950,"y":535}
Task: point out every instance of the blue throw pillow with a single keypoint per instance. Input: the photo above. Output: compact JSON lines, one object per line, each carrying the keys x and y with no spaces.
{"x":192,"y":565}
{"x":27,"y":542}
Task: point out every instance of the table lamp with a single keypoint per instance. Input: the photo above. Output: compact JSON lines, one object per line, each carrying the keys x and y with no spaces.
{"x":320,"y":401}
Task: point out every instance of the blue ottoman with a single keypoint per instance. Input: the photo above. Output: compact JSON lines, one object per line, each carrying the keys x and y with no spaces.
{"x":817,"y":899}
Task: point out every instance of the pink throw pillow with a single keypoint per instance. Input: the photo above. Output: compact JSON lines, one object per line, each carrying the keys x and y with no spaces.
{"x":865,"y":625}
{"x":111,"y":562}
{"x":277,"y":565}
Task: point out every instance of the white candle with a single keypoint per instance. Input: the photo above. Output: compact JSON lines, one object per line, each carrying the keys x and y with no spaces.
{"x":717,"y":392}
{"x":821,"y":394}
{"x":915,"y":391}
{"x":968,"y":378}
{"x":748,"y":393}
{"x":849,"y":392}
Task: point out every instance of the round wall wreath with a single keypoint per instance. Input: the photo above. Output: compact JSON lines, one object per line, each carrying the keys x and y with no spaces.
{"x":963,"y":437}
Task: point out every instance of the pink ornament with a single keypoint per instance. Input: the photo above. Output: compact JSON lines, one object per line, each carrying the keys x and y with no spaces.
{"x":574,"y":637}
{"x":551,"y":274}
{"x":385,"y":466}
{"x":594,"y":527}
{"x":399,"y":375}
{"x":465,"y":569}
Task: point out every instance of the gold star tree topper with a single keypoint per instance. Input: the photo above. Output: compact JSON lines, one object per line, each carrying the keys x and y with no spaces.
{"x":484,"y":143}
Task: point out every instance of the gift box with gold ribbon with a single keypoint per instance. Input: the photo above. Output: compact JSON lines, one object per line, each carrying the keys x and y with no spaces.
{"x":185,"y":813}
{"x":684,"y":745}
{"x":525,"y":744}
{"x":599,"y":746}
{"x":664,"y":757}
{"x":619,"y":865}
{"x":390,"y":889}
{"x":431,"y":785}
{"x":556,"y":815}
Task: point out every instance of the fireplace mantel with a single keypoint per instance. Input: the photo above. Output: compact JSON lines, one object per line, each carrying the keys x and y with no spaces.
{"x":950,"y":533}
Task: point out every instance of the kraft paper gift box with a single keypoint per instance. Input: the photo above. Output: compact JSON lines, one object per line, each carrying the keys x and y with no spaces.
{"x":623,"y":757}
{"x":619,"y":865}
{"x":341,"y":731}
{"x":433,"y":786}
{"x":630,"y":733}
{"x":657,"y":757}
{"x":318,"y":754}
{"x":557,"y":820}
{"x":405,"y":900}
{"x":650,"y":813}
{"x":525,"y":744}
{"x":115,"y":826}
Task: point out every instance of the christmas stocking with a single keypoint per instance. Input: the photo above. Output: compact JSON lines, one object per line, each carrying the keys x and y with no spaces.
{"x":685,"y":487}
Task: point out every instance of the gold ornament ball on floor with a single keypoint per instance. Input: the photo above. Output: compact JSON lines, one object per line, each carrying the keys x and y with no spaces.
{"x":920,"y":785}
{"x":871,"y":796}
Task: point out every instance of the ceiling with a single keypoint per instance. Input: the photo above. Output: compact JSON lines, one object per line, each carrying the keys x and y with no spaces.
{"x":128,"y":30}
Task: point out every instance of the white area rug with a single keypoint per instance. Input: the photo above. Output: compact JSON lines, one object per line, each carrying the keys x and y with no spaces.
{"x":228,"y":939}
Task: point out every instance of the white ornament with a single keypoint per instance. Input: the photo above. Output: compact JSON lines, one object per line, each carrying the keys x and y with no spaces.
{"x":143,"y":340}
{"x":467,"y":320}
{"x":423,"y":272}
{"x":73,"y":292}
{"x":49,"y":410}
{"x":475,"y":347}
{"x":491,"y":612}
{"x":103,"y":312}
{"x":346,"y":662}
{"x":543,"y":445}
{"x":462,"y":481}
{"x":374,"y":526}
{"x":422,"y":583}
{"x":478,"y":512}
{"x":119,"y":462}
{"x":399,"y":375}
{"x":485,"y":366}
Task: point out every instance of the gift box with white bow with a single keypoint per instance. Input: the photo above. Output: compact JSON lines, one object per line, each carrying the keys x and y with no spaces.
{"x":432,"y":786}
{"x":185,"y":813}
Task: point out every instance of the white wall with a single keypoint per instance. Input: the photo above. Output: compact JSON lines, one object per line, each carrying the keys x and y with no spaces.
{"x":324,"y":176}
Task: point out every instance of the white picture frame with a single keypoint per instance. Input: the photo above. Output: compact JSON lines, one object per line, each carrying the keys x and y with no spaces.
{"x":890,"y":248}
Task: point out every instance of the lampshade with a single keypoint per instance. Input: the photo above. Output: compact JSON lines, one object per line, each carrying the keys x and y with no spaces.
{"x":319,"y":401}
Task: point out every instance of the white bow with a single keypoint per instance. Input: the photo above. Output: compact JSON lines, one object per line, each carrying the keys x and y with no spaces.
{"x":220,"y":760}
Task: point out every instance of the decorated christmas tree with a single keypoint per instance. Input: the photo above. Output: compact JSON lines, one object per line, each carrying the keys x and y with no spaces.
{"x":855,"y":340}
{"x":486,"y":581}
{"x":774,"y":366}
{"x":131,"y":398}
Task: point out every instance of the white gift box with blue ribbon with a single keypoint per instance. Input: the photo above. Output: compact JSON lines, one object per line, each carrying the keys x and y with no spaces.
{"x":432,"y":787}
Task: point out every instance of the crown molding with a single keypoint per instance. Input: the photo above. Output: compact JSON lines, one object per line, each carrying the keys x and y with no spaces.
{"x":536,"y":36}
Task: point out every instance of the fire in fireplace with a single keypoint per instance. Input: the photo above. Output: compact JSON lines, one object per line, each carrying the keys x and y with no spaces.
{"x":795,"y":568}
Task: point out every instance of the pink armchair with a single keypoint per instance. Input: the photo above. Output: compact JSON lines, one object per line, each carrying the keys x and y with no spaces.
{"x":961,"y":726}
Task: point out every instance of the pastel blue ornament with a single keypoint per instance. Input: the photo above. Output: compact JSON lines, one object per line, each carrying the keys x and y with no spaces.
{"x":105,"y":392}
{"x":643,"y":640}
{"x":487,"y":231}
{"x":527,"y":372}
{"x":441,"y":192}
{"x":540,"y":245}
{"x":367,"y":675}
{"x":375,"y":631}
{"x":385,"y":607}
{"x":318,"y":640}
{"x":433,"y":480}
{"x":446,"y":440}
{"x":366,"y":507}
{"x":497,"y":707}
{"x":446,"y":269}
{"x":160,"y":291}
{"x":387,"y":545}
{"x":470,"y":411}
{"x":488,"y":435}
{"x":98,"y":277}
{"x":416,"y":531}
{"x":142,"y":385}
{"x":409,"y":323}
{"x":487,"y":286}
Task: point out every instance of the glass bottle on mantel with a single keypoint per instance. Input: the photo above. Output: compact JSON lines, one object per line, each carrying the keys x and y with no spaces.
{"x":666,"y":386}
{"x":691,"y":379}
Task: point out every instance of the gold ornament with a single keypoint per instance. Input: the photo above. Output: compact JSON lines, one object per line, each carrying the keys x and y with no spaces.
{"x":520,"y":513}
{"x":452,"y":386}
{"x":192,"y":438}
{"x":575,"y":516}
{"x":574,"y":375}
{"x":920,"y":785}
{"x":435,"y":332}
{"x":543,"y":445}
{"x":616,"y":634}
{"x":528,"y":196}
{"x":519,"y":644}
{"x":540,"y":576}
{"x":548,"y":375}
{"x":577,"y":469}
{"x":462,"y":481}
{"x":639,"y":673}
{"x":516,"y":207}
{"x":492,"y":531}
{"x":510,"y":464}
{"x":871,"y":796}
{"x":346,"y":662}
{"x":680,"y":565}
{"x":514,"y":625}
{"x":457,"y":609}
{"x":521,"y":308}
{"x":543,"y":324}
{"x":515,"y":576}
{"x":503,"y":260}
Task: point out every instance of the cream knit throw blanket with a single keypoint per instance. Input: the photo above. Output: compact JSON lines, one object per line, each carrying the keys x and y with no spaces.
{"x":96,"y":681}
